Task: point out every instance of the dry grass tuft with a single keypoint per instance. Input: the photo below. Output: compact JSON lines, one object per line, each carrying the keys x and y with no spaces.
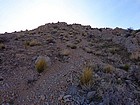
{"x":41,"y":65}
{"x":34,"y":43}
{"x":87,"y":77}
{"x":31,"y":43}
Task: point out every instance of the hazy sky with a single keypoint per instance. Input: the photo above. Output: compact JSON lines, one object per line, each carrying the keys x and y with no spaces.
{"x":16,"y":15}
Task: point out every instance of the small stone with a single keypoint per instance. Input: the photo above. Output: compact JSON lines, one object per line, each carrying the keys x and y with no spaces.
{"x":88,"y":50}
{"x":92,"y":103}
{"x":101,"y":104}
{"x":67,"y":100}
{"x":67,"y":96}
{"x":42,"y":97}
{"x":90,"y":94}
{"x":46,"y":103}
{"x":71,"y":45}
{"x":60,"y":97}
{"x":72,"y":90}
{"x":6,"y":104}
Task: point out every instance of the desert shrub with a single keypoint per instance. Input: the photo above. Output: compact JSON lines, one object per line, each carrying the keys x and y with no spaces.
{"x":2,"y":46}
{"x":88,"y":50}
{"x":65,"y":52}
{"x":41,"y":65}
{"x":130,"y":29}
{"x":50,"y":39}
{"x":87,"y":77}
{"x":91,"y":43}
{"x":32,"y":33}
{"x":108,"y":68}
{"x":126,"y":67}
{"x":27,"y":43}
{"x":77,"y":41}
{"x":54,"y":31}
{"x":72,"y":46}
{"x":0,"y":100}
{"x":138,"y":30}
{"x":33,"y":42}
{"x":135,"y":56}
{"x":84,"y":34}
{"x":113,"y":50}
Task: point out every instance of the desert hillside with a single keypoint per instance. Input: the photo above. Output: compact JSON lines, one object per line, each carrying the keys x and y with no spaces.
{"x":70,"y":64}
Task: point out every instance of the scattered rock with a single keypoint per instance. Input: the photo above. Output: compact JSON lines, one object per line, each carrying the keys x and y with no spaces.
{"x":90,"y":95}
{"x":66,"y":96}
{"x":60,"y":97}
{"x":42,"y":97}
{"x":72,"y":90}
{"x":50,"y":40}
{"x":88,"y":50}
{"x":6,"y":104}
{"x":72,"y":46}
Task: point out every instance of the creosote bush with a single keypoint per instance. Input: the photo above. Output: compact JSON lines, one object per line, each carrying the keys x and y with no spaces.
{"x":41,"y":65}
{"x":87,"y":77}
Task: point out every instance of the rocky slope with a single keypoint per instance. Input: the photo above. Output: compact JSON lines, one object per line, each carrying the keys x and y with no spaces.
{"x":113,"y":55}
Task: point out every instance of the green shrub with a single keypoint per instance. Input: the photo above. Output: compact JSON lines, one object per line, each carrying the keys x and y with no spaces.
{"x":126,"y":67}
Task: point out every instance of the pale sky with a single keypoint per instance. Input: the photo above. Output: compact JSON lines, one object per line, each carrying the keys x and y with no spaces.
{"x":16,"y":15}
